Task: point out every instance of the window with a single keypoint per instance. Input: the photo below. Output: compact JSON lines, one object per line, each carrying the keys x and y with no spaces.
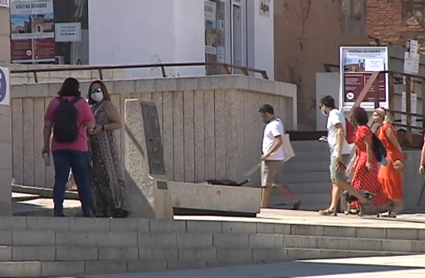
{"x":225,"y":34}
{"x":56,"y":32}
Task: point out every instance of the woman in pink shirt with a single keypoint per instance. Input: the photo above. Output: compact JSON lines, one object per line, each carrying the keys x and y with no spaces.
{"x":69,"y":116}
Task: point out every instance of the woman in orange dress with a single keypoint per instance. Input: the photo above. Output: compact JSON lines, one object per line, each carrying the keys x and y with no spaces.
{"x":388,"y":176}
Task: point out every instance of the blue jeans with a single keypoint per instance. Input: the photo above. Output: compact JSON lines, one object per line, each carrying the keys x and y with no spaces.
{"x":78,"y":161}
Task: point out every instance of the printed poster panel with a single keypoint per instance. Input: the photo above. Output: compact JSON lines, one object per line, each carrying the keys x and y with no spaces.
{"x":4,"y":86}
{"x":356,"y":66}
{"x":32,"y":31}
{"x":4,"y":3}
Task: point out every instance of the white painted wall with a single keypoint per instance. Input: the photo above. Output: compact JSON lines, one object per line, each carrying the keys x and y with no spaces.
{"x":166,"y":31}
{"x":264,"y":39}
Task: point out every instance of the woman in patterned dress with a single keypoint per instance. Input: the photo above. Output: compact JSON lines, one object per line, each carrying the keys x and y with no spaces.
{"x":366,"y":166}
{"x":389,"y":177}
{"x":108,"y":187}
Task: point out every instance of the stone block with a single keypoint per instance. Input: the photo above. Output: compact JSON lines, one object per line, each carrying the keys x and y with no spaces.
{"x":76,"y":253}
{"x":400,"y":233}
{"x":118,"y":253}
{"x":299,"y":254}
{"x":124,"y":225}
{"x":13,"y":223}
{"x":365,"y":244}
{"x":146,"y":181}
{"x":33,"y":253}
{"x":378,"y":233}
{"x":235,"y":255}
{"x":5,"y":253}
{"x":5,"y":237}
{"x":336,"y":231}
{"x":111,"y":239}
{"x":105,"y":267}
{"x":192,"y":240}
{"x":268,"y":255}
{"x":397,"y":245}
{"x":231,"y":240}
{"x":157,"y":239}
{"x":20,"y":269}
{"x":47,"y":224}
{"x":270,"y":228}
{"x":300,"y":241}
{"x":240,"y":227}
{"x":203,"y":226}
{"x":163,"y":226}
{"x":215,"y":197}
{"x":33,"y":238}
{"x":60,"y":269}
{"x":265,"y":241}
{"x":158,"y":253}
{"x":76,"y":238}
{"x":197,"y":254}
{"x":89,"y":224}
{"x":334,"y":243}
{"x":146,"y":266}
{"x":182,"y":265}
{"x":306,"y":230}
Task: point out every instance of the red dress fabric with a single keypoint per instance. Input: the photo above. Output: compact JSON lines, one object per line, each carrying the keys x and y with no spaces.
{"x":364,"y":179}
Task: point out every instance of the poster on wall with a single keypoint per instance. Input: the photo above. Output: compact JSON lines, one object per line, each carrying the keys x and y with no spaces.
{"x":4,"y":86}
{"x":68,"y":32}
{"x":411,"y":57}
{"x":210,"y":28}
{"x":356,"y":66}
{"x":4,"y":3}
{"x":32,"y":31}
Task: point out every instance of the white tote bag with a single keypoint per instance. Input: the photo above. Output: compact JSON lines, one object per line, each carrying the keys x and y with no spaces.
{"x":287,"y":148}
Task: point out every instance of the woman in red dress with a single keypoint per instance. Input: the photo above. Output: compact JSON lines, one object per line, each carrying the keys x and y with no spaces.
{"x":366,"y":166}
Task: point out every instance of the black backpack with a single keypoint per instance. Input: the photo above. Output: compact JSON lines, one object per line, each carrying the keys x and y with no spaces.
{"x":65,"y":125}
{"x":379,"y":150}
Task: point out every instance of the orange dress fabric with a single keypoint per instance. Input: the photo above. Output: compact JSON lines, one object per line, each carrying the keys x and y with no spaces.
{"x":389,"y":177}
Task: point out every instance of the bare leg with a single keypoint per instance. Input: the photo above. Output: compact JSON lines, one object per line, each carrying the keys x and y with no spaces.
{"x":336,"y":193}
{"x":265,"y":194}
{"x":398,"y":206}
{"x":286,"y":192}
{"x":348,"y":187}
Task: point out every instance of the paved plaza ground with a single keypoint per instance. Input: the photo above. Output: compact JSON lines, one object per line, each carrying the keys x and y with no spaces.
{"x":379,"y":267}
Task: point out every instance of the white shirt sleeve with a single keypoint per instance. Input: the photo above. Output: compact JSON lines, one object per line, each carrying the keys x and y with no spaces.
{"x":333,"y":118}
{"x":276,"y":128}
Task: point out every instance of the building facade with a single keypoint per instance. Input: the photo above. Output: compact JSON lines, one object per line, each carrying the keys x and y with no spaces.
{"x":393,"y":22}
{"x":307,"y":34}
{"x":109,"y":32}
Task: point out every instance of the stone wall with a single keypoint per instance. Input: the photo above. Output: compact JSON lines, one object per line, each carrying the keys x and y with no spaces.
{"x":210,"y":126}
{"x":307,"y":34}
{"x":5,"y":120}
{"x":396,"y":21}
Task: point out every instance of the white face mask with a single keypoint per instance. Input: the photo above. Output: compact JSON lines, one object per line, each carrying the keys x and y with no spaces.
{"x":97,"y":95}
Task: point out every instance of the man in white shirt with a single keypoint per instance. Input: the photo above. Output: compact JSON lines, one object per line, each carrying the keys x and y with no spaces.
{"x":340,"y":154}
{"x":273,"y":157}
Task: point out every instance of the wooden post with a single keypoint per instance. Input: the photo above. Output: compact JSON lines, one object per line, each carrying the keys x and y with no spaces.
{"x":376,"y":89}
{"x":408,"y":109}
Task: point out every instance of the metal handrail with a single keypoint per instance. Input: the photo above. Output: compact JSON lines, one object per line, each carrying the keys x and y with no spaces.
{"x":227,"y":68}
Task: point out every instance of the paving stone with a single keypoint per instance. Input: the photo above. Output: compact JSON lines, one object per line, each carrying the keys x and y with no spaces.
{"x":194,"y":240}
{"x":53,"y":269}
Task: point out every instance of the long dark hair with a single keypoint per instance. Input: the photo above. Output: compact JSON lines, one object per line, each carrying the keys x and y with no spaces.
{"x":70,"y":88}
{"x":105,"y":92}
{"x":360,"y":116}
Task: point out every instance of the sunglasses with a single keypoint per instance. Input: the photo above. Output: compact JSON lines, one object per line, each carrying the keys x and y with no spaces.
{"x":97,"y":90}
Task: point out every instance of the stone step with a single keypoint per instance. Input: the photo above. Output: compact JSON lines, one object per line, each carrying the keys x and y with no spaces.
{"x":215,"y":225}
{"x":305,"y":166}
{"x":308,"y":199}
{"x":311,"y":188}
{"x":142,"y":246}
{"x":306,"y":146}
{"x":33,"y":268}
{"x":306,"y":177}
{"x":310,"y":156}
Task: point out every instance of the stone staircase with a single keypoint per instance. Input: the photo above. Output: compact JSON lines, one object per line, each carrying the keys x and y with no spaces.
{"x":307,"y":175}
{"x":57,"y":247}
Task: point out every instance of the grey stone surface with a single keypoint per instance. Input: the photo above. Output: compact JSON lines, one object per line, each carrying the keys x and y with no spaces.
{"x":215,"y":197}
{"x":147,"y":191}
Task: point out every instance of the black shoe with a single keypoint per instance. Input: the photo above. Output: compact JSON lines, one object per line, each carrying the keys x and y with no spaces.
{"x":120,"y":213}
{"x":297,"y":205}
{"x":59,"y":214}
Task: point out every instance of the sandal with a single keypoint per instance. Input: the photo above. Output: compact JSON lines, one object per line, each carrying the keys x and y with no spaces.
{"x":327,"y":212}
{"x":389,"y":214}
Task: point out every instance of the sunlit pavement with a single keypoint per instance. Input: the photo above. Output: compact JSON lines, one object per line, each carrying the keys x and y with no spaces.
{"x":388,"y":267}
